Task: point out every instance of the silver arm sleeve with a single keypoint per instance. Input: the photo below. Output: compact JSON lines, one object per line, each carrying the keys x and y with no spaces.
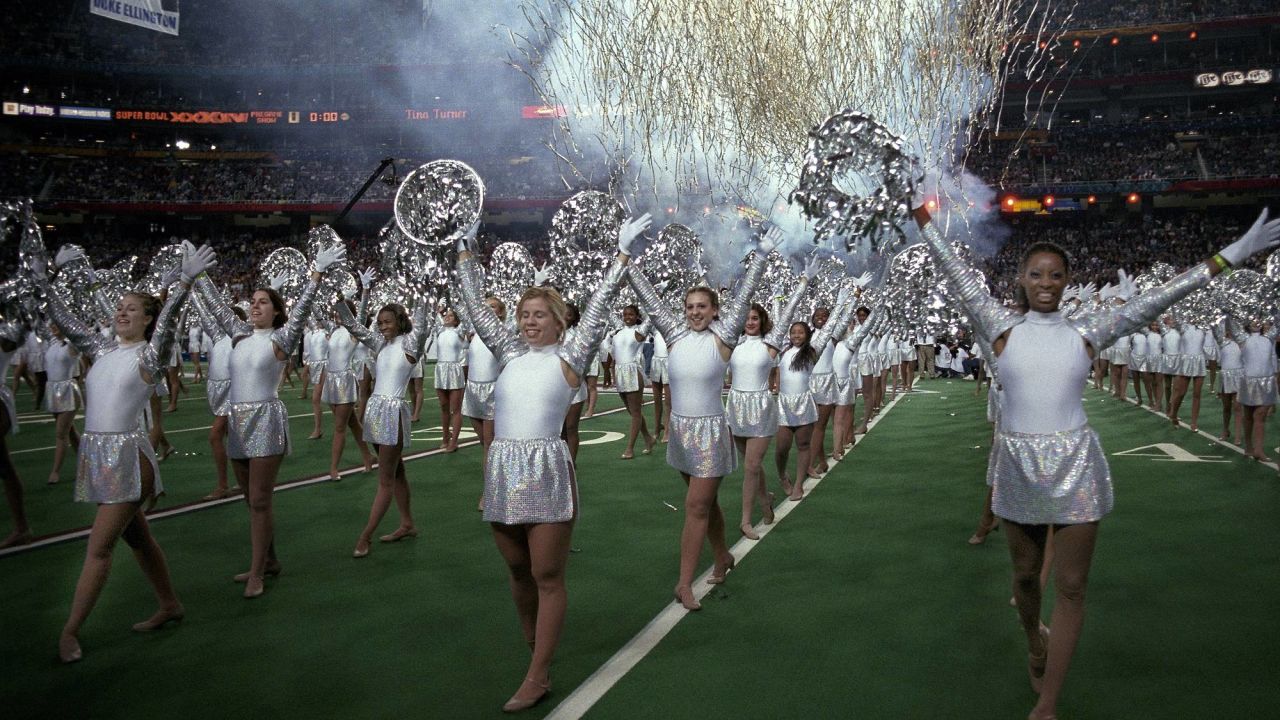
{"x":1101,"y":329}
{"x":987,"y":315}
{"x":88,"y":342}
{"x":287,"y":337}
{"x":362,"y":312}
{"x":585,"y":337}
{"x":12,"y":333}
{"x":777,"y":337}
{"x":207,"y":323}
{"x":836,"y":327}
{"x":219,"y":310}
{"x":154,"y":356}
{"x":359,"y":331}
{"x":416,"y":341}
{"x":854,"y":341}
{"x":733,"y":315}
{"x":659,"y":313}
{"x":501,"y":340}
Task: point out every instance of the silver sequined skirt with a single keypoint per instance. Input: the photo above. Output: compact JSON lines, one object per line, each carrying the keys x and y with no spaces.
{"x":62,"y":396}
{"x":752,"y":413}
{"x":867,"y":365}
{"x":1119,"y":357}
{"x":1170,"y":364}
{"x":628,"y":377}
{"x":449,"y":376}
{"x":846,"y":391}
{"x":580,"y":395}
{"x":823,"y":388}
{"x":7,"y":406}
{"x":593,"y":370}
{"x":908,"y":355}
{"x":1137,"y":363}
{"x":1212,"y":351}
{"x":340,"y":388}
{"x":701,"y":446}
{"x":161,"y":386}
{"x":1229,"y":381}
{"x":258,"y":429}
{"x":386,"y":420}
{"x":219,"y":397}
{"x":528,"y":482}
{"x":658,"y":371}
{"x":107,"y":469}
{"x":1191,"y":365}
{"x":796,"y":410}
{"x":477,"y":400}
{"x":1059,"y":478}
{"x":1255,"y":391}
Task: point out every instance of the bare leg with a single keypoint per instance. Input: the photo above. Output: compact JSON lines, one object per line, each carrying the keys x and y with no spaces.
{"x":1257,"y":432}
{"x":1197,"y":387}
{"x":702,"y":519}
{"x":417,"y":398}
{"x":455,"y":418}
{"x":634,"y":402}
{"x":64,"y":430}
{"x":306,"y":381}
{"x":1177,"y":392}
{"x":218,"y":447}
{"x":569,"y":432}
{"x":868,"y":403}
{"x":593,"y":394}
{"x":818,"y":458}
{"x":175,"y":387}
{"x":357,"y":434}
{"x":753,"y":487}
{"x":666,"y":415}
{"x":781,"y":453}
{"x":390,"y":477}
{"x":316,"y":411}
{"x":659,"y":408}
{"x":986,"y":523}
{"x":262,"y":479}
{"x":1073,"y":547}
{"x":446,"y":428}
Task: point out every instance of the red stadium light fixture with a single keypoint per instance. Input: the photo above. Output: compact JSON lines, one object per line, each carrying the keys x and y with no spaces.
{"x":1193,"y":35}
{"x":671,"y":211}
{"x":1009,"y":202}
{"x":1093,"y":199}
{"x":1115,"y":41}
{"x":1048,"y":201}
{"x":1075,"y":43}
{"x":931,"y":204}
{"x":1043,"y":44}
{"x":1155,"y":37}
{"x":1134,"y":198}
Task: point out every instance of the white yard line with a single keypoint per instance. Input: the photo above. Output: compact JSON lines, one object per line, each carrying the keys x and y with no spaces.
{"x":586,"y":695}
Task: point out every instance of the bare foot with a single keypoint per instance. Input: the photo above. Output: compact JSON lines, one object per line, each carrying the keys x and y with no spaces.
{"x":785,"y":482}
{"x":69,"y":649}
{"x":768,"y":511}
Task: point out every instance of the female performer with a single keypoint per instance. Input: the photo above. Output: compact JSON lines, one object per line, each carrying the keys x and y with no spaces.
{"x":530,"y":496}
{"x":752,"y":410}
{"x":62,"y":396}
{"x":397,"y":347}
{"x":449,"y":379}
{"x":1191,"y":369}
{"x":219,"y":392}
{"x":1257,"y":394}
{"x":658,"y":380}
{"x":341,"y":391}
{"x":1230,"y":376}
{"x":117,"y":468}
{"x":259,"y":422}
{"x":315,"y":353}
{"x":700,"y":445}
{"x":822,"y":385}
{"x":1047,"y":468}
{"x":629,"y":379}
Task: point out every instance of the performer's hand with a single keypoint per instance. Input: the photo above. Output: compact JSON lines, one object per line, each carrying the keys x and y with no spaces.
{"x":630,"y":230}
{"x":328,"y":257}
{"x":1262,"y":235}
{"x":771,"y":240}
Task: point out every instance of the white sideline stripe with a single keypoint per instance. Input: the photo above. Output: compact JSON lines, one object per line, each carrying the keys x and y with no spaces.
{"x":166,"y":432}
{"x":585,"y":696}
{"x":207,"y":504}
{"x":1211,"y":436}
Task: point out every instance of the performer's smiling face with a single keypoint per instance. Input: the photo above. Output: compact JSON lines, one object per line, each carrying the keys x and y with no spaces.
{"x":753,"y":323}
{"x":262,"y":312}
{"x":699,"y":310}
{"x":538,"y":323}
{"x":131,"y":319}
{"x":1043,"y":278}
{"x":388,"y":325}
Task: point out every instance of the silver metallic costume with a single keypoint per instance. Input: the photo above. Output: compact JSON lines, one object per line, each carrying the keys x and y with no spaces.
{"x":386,"y":415}
{"x":61,"y":394}
{"x":1046,"y":464}
{"x":700,"y":443}
{"x":258,"y":421}
{"x":115,"y":394}
{"x":218,"y":383}
{"x":529,"y":475}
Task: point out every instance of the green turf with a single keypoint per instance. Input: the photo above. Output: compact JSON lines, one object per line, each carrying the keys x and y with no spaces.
{"x":864,"y":601}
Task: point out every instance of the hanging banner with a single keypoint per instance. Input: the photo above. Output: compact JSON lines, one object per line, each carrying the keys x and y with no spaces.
{"x":150,"y":14}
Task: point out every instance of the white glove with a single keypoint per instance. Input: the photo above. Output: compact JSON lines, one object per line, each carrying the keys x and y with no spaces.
{"x":542,"y":275}
{"x":66,"y":254}
{"x":842,"y":297}
{"x":1261,"y":236}
{"x":812,"y":266}
{"x":630,"y":230}
{"x":1107,"y":292}
{"x":1128,"y":286}
{"x":1087,"y":291}
{"x":196,"y":261}
{"x":466,"y":240}
{"x":329,"y":256}
{"x":275,"y":282}
{"x":1069,"y":292}
{"x":366,"y":277}
{"x":771,"y":240}
{"x":862,"y":280}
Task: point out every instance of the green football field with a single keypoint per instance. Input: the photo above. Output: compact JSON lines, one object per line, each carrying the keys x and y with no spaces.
{"x":864,"y":600}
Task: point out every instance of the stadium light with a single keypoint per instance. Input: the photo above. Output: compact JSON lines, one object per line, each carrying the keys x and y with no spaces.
{"x":931,"y":204}
{"x":1155,"y":37}
{"x":1075,"y":43}
{"x":1010,"y":201}
{"x":1093,"y":199}
{"x":1193,"y":35}
{"x":182,"y":144}
{"x":1134,"y":198}
{"x":1115,"y":41}
{"x":1048,"y":201}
